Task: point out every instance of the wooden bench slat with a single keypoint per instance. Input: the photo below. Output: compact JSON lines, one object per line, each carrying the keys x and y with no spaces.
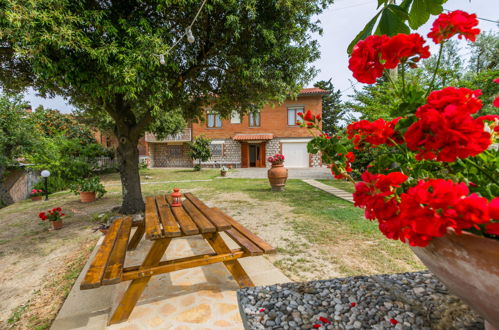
{"x":153,"y":228}
{"x":205,"y":226}
{"x":245,"y":243}
{"x":114,"y":268}
{"x":187,"y":226}
{"x":220,"y":222}
{"x":267,"y":248}
{"x":170,"y":225}
{"x":95,"y":273}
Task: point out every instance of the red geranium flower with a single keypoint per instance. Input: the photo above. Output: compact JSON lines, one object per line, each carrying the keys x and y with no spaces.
{"x":308,"y":116}
{"x":445,"y":129}
{"x":316,"y":326}
{"x":492,"y":228}
{"x":365,"y":61}
{"x":262,"y":310}
{"x":353,"y":304}
{"x":394,"y":322}
{"x":372,"y":134}
{"x":494,"y":208}
{"x":456,"y":22}
{"x":402,"y":47}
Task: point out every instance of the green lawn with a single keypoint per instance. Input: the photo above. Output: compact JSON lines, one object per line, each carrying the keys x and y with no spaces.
{"x":340,"y":184}
{"x":317,"y":236}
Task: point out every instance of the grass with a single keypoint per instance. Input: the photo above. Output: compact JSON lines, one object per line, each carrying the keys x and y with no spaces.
{"x":326,"y":232}
{"x":340,"y":184}
{"x":158,"y":175}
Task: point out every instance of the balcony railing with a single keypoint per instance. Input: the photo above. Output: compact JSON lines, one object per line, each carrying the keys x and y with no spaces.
{"x":183,"y":136}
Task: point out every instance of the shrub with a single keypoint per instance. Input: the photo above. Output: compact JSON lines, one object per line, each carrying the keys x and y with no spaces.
{"x":89,"y":184}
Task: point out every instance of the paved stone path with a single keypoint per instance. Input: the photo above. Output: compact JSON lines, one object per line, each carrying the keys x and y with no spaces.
{"x":293,"y":173}
{"x":192,"y":299}
{"x":330,"y":189}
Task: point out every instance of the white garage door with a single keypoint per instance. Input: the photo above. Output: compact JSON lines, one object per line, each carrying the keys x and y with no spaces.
{"x":295,"y":154}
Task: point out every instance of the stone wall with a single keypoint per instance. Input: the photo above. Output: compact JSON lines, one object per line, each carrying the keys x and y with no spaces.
{"x":230,"y":155}
{"x":170,"y":155}
{"x":271,"y":148}
{"x":315,"y":160}
{"x":19,"y":183}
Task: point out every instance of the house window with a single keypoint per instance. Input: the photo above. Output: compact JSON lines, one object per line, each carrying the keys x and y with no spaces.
{"x":235,"y":117}
{"x":293,"y":118}
{"x":214,"y":120}
{"x":254,"y":119}
{"x":216,"y":149}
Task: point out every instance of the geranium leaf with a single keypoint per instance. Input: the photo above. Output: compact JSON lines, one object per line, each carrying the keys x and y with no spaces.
{"x":422,"y":9}
{"x":392,"y":21}
{"x":367,"y":31}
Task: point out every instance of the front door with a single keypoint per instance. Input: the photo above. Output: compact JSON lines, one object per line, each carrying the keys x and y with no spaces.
{"x":252,"y":154}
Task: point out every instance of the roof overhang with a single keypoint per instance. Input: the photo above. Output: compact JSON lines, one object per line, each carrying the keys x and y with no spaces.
{"x":253,"y":137}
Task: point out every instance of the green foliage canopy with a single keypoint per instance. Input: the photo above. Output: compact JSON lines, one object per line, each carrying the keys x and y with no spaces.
{"x":200,"y":149}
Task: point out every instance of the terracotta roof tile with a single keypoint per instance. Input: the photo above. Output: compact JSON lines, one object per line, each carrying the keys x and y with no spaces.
{"x":248,"y":137}
{"x":313,"y":91}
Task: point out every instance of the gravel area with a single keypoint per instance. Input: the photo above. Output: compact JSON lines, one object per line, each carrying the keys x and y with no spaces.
{"x":395,"y":301}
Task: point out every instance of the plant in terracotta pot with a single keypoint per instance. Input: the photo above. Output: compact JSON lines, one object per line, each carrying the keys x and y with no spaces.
{"x":89,"y":189}
{"x":54,"y":216}
{"x":223,"y":171}
{"x":277,"y":173}
{"x":36,"y":194}
{"x":436,"y":186}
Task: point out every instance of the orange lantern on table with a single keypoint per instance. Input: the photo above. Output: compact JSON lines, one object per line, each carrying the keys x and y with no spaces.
{"x":176,"y":197}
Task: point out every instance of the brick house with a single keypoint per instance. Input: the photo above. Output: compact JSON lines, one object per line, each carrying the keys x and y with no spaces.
{"x":245,"y":141}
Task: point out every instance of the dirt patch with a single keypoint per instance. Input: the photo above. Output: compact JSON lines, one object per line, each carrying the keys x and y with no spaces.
{"x":298,"y":258}
{"x":32,"y":257}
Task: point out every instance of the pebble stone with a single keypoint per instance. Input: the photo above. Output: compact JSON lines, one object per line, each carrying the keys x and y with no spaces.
{"x":416,"y":300}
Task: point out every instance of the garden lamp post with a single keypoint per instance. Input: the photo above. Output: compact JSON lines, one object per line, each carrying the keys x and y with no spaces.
{"x":45,"y":175}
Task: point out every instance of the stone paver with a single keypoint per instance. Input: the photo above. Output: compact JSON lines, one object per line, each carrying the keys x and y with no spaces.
{"x":293,"y":173}
{"x":198,"y":298}
{"x":332,"y":190}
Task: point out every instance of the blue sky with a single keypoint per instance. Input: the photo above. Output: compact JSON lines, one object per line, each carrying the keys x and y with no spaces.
{"x":341,"y":23}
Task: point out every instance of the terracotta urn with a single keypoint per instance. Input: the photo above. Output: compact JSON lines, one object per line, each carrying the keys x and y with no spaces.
{"x":469,"y":266}
{"x":87,"y":196}
{"x":36,"y":198}
{"x":277,"y":175}
{"x":57,"y":224}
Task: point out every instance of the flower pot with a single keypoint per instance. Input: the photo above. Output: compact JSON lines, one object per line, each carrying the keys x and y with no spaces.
{"x":87,"y":196}
{"x":277,"y":175}
{"x":469,"y":266}
{"x":223,"y":173}
{"x":57,"y":224}
{"x":36,"y":198}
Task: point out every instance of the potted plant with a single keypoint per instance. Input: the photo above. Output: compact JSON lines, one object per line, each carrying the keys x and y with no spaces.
{"x":54,"y":216}
{"x":36,"y":194}
{"x":277,"y":174}
{"x":436,"y":184}
{"x":89,"y":189}
{"x":223,"y":171}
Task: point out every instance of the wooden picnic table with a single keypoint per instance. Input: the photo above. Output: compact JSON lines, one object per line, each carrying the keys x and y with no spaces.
{"x":162,"y":223}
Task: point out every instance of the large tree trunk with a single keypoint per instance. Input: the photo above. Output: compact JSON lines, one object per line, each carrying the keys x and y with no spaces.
{"x":128,"y":155}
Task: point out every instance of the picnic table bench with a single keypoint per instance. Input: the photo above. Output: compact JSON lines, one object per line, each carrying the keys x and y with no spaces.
{"x":162,"y":223}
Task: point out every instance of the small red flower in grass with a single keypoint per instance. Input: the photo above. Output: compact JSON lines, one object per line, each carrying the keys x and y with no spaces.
{"x":262,"y":310}
{"x":394,"y":322}
{"x":316,"y":326}
{"x":324,"y":320}
{"x":353,"y":304}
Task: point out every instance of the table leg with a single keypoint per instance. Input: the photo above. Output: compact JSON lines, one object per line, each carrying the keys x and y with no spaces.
{"x":136,"y":287}
{"x":137,"y":236}
{"x":233,"y":266}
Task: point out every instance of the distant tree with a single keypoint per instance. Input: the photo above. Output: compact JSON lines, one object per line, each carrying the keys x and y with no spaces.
{"x":332,"y":107}
{"x":103,"y":57}
{"x":200,"y":150}
{"x":484,"y":52}
{"x":16,"y":137}
{"x":451,"y":70}
{"x":51,"y":123}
